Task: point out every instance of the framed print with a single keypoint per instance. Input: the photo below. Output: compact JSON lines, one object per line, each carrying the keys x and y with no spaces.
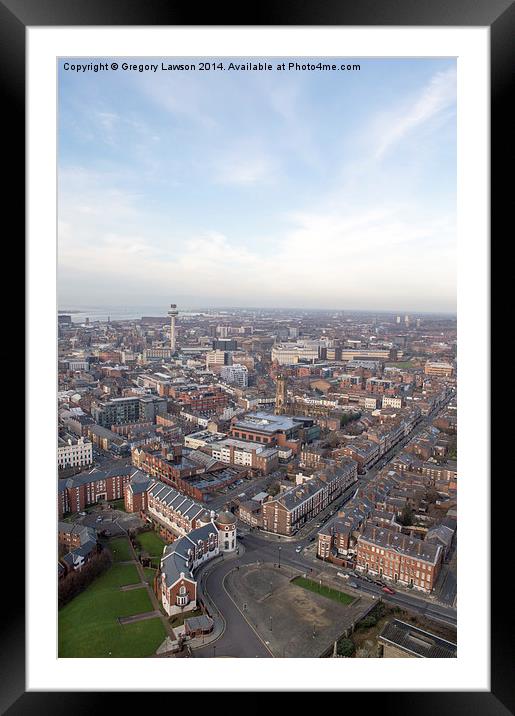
{"x":257,"y":263}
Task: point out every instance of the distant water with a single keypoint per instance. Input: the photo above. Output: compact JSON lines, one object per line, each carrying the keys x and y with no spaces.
{"x":104,"y":313}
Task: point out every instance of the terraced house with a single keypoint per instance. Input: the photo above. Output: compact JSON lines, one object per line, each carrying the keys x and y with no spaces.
{"x":172,"y":513}
{"x":399,"y":558}
{"x":288,"y":512}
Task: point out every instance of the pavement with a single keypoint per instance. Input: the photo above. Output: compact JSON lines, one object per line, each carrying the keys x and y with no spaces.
{"x":446,"y":585}
{"x":293,"y":622}
{"x":236,"y":638}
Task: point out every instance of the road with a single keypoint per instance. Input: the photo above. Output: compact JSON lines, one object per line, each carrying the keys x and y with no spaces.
{"x":264,"y":550}
{"x":239,"y":639}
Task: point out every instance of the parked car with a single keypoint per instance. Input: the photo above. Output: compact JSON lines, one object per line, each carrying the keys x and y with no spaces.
{"x":388,"y":590}
{"x":298,"y":548}
{"x":99,"y":519}
{"x":354,"y":585}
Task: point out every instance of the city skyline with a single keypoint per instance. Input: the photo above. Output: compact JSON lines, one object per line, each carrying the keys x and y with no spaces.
{"x":308,"y":189}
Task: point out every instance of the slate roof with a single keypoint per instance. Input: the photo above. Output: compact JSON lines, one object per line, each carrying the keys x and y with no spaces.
{"x":417,"y":642}
{"x":403,"y":544}
{"x":178,"y":557}
{"x":95,"y":475}
{"x":177,"y":502}
{"x":86,"y":534}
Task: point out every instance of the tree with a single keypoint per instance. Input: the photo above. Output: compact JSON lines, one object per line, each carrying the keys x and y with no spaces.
{"x":345,"y":647}
{"x":406,"y":517}
{"x":274,"y":489}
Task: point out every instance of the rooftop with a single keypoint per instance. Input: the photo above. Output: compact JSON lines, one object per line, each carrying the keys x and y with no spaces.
{"x":417,"y":642}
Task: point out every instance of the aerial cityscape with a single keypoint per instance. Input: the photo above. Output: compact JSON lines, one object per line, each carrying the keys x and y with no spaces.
{"x":257,"y":483}
{"x":257,"y":359}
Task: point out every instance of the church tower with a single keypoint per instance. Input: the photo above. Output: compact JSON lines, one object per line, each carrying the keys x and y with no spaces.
{"x":280,"y":395}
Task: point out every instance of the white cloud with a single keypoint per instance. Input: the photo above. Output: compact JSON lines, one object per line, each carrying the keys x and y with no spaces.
{"x":368,"y":259}
{"x":242,"y":168}
{"x":436,"y":97}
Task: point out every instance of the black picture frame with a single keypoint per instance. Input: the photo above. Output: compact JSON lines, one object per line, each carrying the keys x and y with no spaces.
{"x":499,"y":16}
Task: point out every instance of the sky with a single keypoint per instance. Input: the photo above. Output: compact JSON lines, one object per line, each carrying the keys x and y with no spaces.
{"x":272,"y":189}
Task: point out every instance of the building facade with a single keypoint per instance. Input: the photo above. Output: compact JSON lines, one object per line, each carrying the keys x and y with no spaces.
{"x":74,"y":452}
{"x":399,"y":558}
{"x":176,"y":580}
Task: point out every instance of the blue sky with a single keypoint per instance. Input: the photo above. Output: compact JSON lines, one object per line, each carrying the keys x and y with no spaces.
{"x":287,"y":189}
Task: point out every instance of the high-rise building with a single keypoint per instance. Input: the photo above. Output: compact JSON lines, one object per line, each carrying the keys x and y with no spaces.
{"x":236,"y":374}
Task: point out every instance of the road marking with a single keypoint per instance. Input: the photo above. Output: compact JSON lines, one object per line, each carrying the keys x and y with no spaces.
{"x":244,"y":617}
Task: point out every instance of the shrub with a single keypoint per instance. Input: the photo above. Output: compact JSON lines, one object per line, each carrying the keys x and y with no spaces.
{"x":76,"y":582}
{"x":368,"y":621}
{"x":345,"y":647}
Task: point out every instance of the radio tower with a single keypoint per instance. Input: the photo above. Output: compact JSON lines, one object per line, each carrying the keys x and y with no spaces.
{"x":173,"y":313}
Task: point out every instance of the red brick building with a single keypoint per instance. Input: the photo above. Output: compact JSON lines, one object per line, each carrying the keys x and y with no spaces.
{"x":399,"y":558}
{"x":74,"y":494}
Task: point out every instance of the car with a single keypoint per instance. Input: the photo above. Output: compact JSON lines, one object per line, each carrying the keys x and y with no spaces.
{"x":388,"y":590}
{"x":83,"y":514}
{"x":298,"y":548}
{"x":99,"y":519}
{"x":353,"y":584}
{"x":380,"y":584}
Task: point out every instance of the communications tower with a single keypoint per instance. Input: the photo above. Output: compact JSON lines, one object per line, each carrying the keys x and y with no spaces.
{"x":173,"y":313}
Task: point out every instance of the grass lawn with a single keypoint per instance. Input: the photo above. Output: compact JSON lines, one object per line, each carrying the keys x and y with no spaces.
{"x":119,"y":548}
{"x":178,"y":619}
{"x":328,"y":592}
{"x":401,"y":364}
{"x":149,"y":575}
{"x":118,"y":505}
{"x":88,"y":625}
{"x":152,"y":543}
{"x":119,"y":576}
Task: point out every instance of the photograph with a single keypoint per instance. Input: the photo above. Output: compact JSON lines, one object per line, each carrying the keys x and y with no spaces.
{"x":257,"y":357}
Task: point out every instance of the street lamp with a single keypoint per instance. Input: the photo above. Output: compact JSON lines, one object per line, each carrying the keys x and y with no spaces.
{"x":270,"y":623}
{"x":279,"y":558}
